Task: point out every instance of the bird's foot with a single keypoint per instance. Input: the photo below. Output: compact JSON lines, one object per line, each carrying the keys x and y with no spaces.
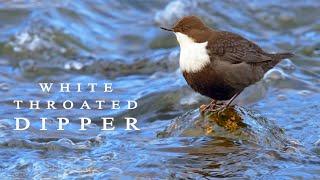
{"x":203,"y":108}
{"x":220,"y":110}
{"x":224,"y":106}
{"x":212,"y":106}
{"x":217,"y":108}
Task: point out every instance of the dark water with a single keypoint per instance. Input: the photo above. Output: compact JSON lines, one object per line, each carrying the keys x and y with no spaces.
{"x":120,"y":42}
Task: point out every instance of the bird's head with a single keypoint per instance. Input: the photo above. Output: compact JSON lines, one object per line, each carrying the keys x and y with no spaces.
{"x":190,"y":27}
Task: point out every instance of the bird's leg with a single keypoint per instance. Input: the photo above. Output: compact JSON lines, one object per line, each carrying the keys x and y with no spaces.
{"x":226,"y":105}
{"x":232,"y":99}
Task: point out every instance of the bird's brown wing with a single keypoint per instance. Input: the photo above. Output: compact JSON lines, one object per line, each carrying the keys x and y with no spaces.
{"x":236,"y":49}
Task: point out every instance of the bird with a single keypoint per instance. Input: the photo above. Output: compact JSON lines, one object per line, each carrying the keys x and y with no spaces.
{"x":219,"y":64}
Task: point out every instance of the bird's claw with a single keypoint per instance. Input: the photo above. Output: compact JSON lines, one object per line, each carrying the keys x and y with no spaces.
{"x":203,"y":108}
{"x":212,"y":107}
{"x":220,"y":110}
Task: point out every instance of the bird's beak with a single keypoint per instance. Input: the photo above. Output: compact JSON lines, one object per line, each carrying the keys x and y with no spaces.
{"x":166,"y":29}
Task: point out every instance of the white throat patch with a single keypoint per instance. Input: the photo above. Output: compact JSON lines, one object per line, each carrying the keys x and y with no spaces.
{"x":193,"y":56}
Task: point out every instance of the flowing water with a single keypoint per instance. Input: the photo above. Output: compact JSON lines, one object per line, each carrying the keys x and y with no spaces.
{"x":120,"y":42}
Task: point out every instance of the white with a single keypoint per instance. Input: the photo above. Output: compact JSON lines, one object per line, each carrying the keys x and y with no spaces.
{"x":193,"y":56}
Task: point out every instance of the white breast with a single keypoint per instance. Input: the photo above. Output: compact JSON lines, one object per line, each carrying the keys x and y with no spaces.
{"x":193,"y":56}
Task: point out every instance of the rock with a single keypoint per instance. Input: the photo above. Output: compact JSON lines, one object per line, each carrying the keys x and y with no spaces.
{"x":234,"y":123}
{"x":274,"y":75}
{"x":287,"y":64}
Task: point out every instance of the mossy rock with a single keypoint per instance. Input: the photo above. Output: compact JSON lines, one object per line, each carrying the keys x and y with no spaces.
{"x":235,"y":123}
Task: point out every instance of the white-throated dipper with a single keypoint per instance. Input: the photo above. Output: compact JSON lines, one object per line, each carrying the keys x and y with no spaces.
{"x":219,"y":64}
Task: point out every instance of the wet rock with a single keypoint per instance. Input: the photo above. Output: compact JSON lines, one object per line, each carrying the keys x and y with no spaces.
{"x":287,"y":64}
{"x":235,"y":123}
{"x":274,"y":75}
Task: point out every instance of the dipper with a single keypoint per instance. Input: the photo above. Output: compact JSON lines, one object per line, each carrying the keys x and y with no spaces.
{"x":219,"y":64}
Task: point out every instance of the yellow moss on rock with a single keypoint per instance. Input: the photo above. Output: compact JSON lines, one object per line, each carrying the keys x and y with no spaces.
{"x":228,"y":119}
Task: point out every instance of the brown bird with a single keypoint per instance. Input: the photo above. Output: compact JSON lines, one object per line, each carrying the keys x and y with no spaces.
{"x":219,"y":64}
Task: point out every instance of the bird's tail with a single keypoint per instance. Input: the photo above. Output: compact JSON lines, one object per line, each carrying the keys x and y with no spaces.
{"x":280,"y":56}
{"x":276,"y":59}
